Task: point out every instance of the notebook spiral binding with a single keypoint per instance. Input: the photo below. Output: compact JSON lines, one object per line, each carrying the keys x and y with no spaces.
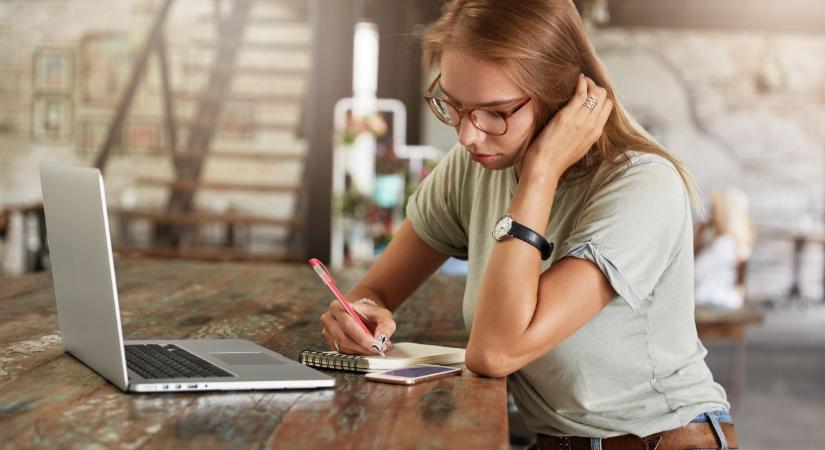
{"x":330,"y":360}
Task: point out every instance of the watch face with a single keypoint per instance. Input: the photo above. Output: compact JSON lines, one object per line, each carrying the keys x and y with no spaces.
{"x":502,"y":228}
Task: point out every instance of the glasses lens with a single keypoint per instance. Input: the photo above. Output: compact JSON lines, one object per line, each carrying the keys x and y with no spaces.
{"x":489,"y":122}
{"x":444,"y":112}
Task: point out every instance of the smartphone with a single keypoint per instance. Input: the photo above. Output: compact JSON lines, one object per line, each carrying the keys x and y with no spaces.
{"x":414,"y":374}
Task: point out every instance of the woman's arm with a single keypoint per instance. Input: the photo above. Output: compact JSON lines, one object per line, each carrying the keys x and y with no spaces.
{"x":404,"y":266}
{"x":399,"y":271}
{"x":521,"y":313}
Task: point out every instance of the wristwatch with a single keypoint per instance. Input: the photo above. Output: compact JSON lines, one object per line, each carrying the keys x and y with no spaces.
{"x":506,"y":228}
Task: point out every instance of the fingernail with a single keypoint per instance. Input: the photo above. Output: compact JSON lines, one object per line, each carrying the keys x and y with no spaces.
{"x":379,"y":344}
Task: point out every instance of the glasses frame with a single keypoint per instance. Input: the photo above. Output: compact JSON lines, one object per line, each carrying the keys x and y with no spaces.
{"x":462,"y":111}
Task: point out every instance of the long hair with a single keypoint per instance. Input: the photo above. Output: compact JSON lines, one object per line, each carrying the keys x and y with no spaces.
{"x":730,"y":215}
{"x":542,"y":46}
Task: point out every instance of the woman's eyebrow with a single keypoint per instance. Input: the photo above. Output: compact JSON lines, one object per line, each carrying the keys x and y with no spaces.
{"x":484,"y":105}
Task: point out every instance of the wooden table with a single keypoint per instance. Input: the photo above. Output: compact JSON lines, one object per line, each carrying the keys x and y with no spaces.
{"x":712,"y":324}
{"x":50,"y":400}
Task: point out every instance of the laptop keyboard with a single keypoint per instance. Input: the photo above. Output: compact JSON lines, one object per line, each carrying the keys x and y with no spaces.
{"x":169,"y":361}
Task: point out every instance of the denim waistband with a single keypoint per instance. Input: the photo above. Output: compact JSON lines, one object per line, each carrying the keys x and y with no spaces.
{"x":714,"y":417}
{"x":722,"y":416}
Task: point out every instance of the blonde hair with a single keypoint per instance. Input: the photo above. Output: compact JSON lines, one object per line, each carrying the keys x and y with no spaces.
{"x":730,"y":215}
{"x":542,"y":46}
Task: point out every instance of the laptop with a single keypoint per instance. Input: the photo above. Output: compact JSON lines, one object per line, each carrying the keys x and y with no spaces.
{"x":89,"y":315}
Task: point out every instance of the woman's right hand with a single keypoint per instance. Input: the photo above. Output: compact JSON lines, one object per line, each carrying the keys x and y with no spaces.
{"x":344,"y":334}
{"x":570,"y":134}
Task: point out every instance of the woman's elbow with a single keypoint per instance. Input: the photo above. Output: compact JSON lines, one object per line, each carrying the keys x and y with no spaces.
{"x":488,"y":363}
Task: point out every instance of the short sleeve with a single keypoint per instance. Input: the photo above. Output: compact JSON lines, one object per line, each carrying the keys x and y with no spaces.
{"x":434,"y":208}
{"x":632,"y":227}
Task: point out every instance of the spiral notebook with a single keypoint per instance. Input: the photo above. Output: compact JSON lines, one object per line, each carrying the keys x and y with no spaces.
{"x":403,"y":354}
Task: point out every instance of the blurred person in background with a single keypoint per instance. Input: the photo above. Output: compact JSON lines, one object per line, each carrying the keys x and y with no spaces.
{"x":723,"y":246}
{"x":597,"y":336}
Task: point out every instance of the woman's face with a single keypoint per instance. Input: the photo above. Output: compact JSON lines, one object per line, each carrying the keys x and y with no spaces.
{"x":473,"y":82}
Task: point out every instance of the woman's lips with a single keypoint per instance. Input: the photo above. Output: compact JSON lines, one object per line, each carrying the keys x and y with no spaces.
{"x":483,"y":159}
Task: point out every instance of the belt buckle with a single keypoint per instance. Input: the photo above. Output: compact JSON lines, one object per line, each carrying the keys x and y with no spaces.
{"x":564,"y":443}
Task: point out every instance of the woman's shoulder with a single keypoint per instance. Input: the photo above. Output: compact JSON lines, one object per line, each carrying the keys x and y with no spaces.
{"x":641,"y":169}
{"x":646,"y":161}
{"x":639,"y":180}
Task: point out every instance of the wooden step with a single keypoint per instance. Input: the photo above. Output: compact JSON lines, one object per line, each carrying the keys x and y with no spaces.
{"x":280,"y":72}
{"x":301,"y":48}
{"x":275,"y":20}
{"x":259,"y":20}
{"x":206,"y":254}
{"x":268,"y":157}
{"x":199,"y":218}
{"x":242,"y":128}
{"x":183,"y":185}
{"x":244,"y":97}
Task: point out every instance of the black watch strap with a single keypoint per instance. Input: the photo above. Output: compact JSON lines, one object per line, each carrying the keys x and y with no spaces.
{"x":527,"y":235}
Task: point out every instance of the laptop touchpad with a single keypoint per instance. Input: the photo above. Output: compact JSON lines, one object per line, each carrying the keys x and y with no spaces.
{"x":246,"y":358}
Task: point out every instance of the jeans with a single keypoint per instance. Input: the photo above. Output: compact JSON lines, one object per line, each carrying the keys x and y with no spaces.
{"x":714,"y":417}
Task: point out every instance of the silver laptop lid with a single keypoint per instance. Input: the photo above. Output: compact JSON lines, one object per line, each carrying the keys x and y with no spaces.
{"x":82,"y":268}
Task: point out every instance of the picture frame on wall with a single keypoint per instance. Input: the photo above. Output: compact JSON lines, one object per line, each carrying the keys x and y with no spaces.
{"x":51,"y":118}
{"x":105,"y":65}
{"x":144,"y":136}
{"x":92,"y":132}
{"x":53,"y":70}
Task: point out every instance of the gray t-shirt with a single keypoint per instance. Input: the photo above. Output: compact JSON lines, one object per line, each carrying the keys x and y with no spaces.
{"x":638,"y":367}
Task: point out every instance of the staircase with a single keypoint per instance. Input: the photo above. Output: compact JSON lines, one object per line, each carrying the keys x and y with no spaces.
{"x":226,"y":84}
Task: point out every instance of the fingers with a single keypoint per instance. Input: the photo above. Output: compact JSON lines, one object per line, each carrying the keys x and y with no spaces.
{"x":329,"y":339}
{"x":601,"y":120}
{"x":581,"y":88}
{"x":578,"y":99}
{"x":597,"y":117}
{"x":333,"y":333}
{"x":349,"y":334}
{"x":381,"y":317}
{"x":600,"y":94}
{"x":352,"y":328}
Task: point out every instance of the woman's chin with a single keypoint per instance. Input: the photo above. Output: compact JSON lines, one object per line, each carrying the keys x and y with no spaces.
{"x":492,"y":162}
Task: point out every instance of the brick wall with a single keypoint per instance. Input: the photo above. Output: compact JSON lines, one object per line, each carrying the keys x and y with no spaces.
{"x":27,"y":26}
{"x":24,"y":27}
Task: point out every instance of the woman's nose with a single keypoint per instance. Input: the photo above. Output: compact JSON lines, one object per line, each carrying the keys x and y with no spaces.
{"x":468,"y":133}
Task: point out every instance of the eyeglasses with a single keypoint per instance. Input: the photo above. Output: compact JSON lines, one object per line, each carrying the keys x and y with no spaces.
{"x":487,"y":120}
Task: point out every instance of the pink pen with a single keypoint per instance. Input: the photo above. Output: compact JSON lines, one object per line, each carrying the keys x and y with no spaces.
{"x":322,"y":272}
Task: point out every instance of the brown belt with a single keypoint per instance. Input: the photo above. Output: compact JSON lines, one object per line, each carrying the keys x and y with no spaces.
{"x":691,"y":436}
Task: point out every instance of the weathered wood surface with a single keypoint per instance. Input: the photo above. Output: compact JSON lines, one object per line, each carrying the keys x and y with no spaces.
{"x":50,"y":400}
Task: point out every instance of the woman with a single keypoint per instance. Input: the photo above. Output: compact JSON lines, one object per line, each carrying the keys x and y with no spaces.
{"x":723,"y":246}
{"x":596,"y":336}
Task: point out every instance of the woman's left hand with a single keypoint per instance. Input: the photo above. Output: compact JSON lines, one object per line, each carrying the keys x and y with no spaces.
{"x":569,"y":135}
